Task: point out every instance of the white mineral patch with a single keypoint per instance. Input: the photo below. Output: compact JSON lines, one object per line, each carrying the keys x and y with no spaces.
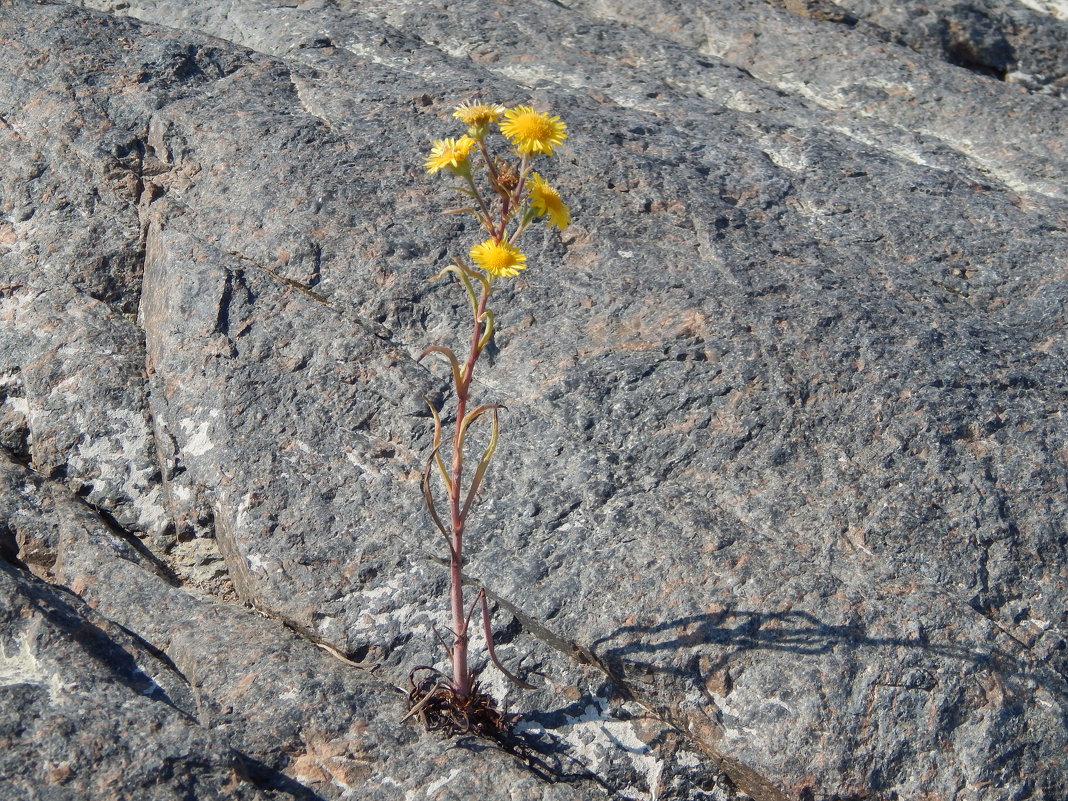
{"x":457,"y":49}
{"x":1016,"y":76}
{"x":152,"y":687}
{"x":375,"y":57}
{"x":198,"y":443}
{"x":151,"y":511}
{"x":16,"y":302}
{"x":241,"y":514}
{"x":409,"y":795}
{"x":730,"y":712}
{"x":433,"y":787}
{"x":894,"y":148}
{"x":738,"y":101}
{"x":368,"y":471}
{"x":1055,"y":8}
{"x":986,"y":158}
{"x":534,"y":74}
{"x":787,"y":159}
{"x":96,"y":450}
{"x":346,"y":790}
{"x":379,"y":607}
{"x":595,"y":734}
{"x":19,"y":405}
{"x":123,"y":469}
{"x":133,"y":425}
{"x":375,"y":593}
{"x":23,"y":667}
{"x":687,"y":759}
{"x":779,"y":702}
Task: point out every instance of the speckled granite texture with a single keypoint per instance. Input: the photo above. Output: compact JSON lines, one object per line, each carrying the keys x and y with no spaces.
{"x":779,"y":510}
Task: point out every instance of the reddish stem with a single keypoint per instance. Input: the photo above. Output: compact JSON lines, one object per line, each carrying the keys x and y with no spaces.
{"x":463,"y":681}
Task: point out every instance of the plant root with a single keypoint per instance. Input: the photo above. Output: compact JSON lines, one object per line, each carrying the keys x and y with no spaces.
{"x":440,"y":708}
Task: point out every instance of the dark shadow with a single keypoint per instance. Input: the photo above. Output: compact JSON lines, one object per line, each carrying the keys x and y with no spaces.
{"x":264,"y":777}
{"x":794,"y":632}
{"x":115,"y":660}
{"x":155,"y":564}
{"x":547,"y":756}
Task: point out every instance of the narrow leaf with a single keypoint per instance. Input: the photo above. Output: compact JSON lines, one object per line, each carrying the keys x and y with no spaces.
{"x":470,"y":417}
{"x":465,"y":273}
{"x":488,"y":334}
{"x":446,"y":352}
{"x":488,"y":632}
{"x":431,"y":506}
{"x":437,"y":421}
{"x":483,"y":465}
{"x":481,"y":277}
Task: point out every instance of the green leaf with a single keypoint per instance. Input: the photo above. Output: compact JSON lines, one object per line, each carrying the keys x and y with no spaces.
{"x":442,"y":350}
{"x":437,"y":446}
{"x":488,"y":333}
{"x":483,"y":463}
{"x":431,"y":507}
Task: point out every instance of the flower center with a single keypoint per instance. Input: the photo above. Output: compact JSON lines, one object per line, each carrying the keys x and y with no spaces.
{"x":533,"y":126}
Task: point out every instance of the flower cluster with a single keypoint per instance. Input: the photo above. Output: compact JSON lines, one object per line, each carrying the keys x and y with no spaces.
{"x":517,"y":194}
{"x":506,"y":197}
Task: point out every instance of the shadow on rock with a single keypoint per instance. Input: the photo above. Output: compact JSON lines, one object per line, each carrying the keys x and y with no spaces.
{"x":267,"y":778}
{"x":795,"y":632}
{"x":115,"y":660}
{"x":543,"y":752}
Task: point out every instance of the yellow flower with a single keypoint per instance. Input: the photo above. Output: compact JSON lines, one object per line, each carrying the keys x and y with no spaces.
{"x":546,"y":200}
{"x":478,"y":115}
{"x":449,"y":154}
{"x":533,"y":131}
{"x":498,"y":258}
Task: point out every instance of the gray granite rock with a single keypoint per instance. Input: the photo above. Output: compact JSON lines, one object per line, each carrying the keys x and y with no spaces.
{"x":1021,"y":42}
{"x":87,"y":711}
{"x":297,"y":721}
{"x":779,"y":510}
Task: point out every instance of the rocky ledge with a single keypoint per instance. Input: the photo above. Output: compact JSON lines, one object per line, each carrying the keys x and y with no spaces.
{"x":780,"y":506}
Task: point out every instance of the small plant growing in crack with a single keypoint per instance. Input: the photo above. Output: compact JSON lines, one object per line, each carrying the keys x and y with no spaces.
{"x":506,"y":196}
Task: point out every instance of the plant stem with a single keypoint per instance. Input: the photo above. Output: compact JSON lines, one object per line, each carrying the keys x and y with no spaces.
{"x":486,"y":218}
{"x":463,"y":681}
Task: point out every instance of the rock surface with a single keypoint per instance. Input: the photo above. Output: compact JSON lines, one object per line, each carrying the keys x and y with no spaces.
{"x":780,"y":506}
